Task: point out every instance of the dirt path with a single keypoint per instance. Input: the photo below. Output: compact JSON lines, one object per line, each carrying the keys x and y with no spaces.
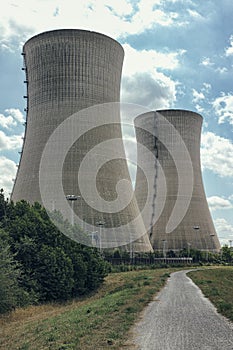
{"x":181,"y":318}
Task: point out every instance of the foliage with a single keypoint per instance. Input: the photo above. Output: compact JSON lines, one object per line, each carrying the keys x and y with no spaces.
{"x":53,"y":267}
{"x":227,"y":254}
{"x":11,"y":295}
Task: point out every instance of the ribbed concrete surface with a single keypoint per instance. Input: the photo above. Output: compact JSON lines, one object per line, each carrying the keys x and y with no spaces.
{"x":67,"y":71}
{"x":196,"y":229}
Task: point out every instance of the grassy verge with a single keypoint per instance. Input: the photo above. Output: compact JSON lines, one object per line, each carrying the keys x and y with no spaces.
{"x":217,"y":285}
{"x":100,"y":321}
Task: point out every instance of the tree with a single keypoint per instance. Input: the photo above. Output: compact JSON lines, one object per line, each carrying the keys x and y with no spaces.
{"x":227,"y":254}
{"x":54,"y":274}
{"x":11,"y":295}
{"x":54,"y":267}
{"x":3,"y":206}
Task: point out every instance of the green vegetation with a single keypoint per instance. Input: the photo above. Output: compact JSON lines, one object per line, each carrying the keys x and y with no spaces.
{"x":100,"y":321}
{"x":121,"y":259}
{"x":38,"y":262}
{"x":217,"y":285}
{"x":58,"y":291}
{"x":10,"y":292}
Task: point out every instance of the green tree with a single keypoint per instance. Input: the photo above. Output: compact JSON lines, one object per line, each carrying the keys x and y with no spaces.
{"x":11,"y":295}
{"x":226,"y":254}
{"x":55,"y":274}
{"x":54,"y":266}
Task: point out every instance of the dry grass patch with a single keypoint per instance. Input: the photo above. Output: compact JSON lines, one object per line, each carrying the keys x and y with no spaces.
{"x":100,"y":321}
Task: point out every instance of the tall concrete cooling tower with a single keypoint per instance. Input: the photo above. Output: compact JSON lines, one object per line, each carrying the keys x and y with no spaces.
{"x":179,"y":211}
{"x":68,"y":71}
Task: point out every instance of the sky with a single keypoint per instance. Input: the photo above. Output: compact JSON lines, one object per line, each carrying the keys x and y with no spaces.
{"x":178,"y":54}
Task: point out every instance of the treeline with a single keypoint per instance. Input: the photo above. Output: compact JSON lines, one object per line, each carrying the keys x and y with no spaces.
{"x":118,"y":257}
{"x":38,"y":263}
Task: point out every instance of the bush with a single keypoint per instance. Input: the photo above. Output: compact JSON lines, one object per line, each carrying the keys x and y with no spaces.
{"x":54,"y":274}
{"x":52,"y":266}
{"x":11,"y":295}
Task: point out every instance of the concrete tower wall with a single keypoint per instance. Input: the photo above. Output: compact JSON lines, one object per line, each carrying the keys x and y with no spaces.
{"x":196,"y":230}
{"x":68,"y":71}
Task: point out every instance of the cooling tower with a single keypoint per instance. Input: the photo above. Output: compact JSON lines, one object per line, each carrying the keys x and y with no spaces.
{"x":179,"y":209}
{"x":68,"y":71}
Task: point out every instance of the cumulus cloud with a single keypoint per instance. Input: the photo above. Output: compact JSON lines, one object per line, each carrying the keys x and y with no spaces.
{"x":200,"y":110}
{"x":229,"y":49}
{"x":11,"y":117}
{"x":221,"y":70}
{"x":137,"y":61}
{"x":142,"y":81}
{"x":217,"y":154}
{"x":143,"y":89}
{"x":216,"y":202}
{"x":16,"y":114}
{"x":10,"y":142}
{"x":206,"y":87}
{"x":7,"y":121}
{"x":8,"y":171}
{"x":206,"y":62}
{"x":148,"y":15}
{"x":195,"y":15}
{"x":224,"y":230}
{"x":197,"y":96}
{"x":223,"y":107}
{"x":120,"y":17}
{"x":13,"y":31}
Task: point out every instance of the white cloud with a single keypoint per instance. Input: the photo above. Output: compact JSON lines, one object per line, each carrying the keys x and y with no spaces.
{"x":8,"y":171}
{"x":120,"y":8}
{"x":148,"y":91}
{"x":221,"y":70}
{"x":229,"y":49}
{"x":201,"y":98}
{"x":216,"y":202}
{"x":12,"y":117}
{"x":10,"y":142}
{"x":224,"y":230}
{"x":113,"y":18}
{"x":197,"y":96}
{"x":206,"y":62}
{"x":206,"y":87}
{"x":217,"y":154}
{"x":195,"y":15}
{"x":200,"y":110}
{"x":148,"y":15}
{"x":149,"y":60}
{"x":7,"y":121}
{"x":223,"y":107}
{"x":143,"y":84}
{"x":16,"y":114}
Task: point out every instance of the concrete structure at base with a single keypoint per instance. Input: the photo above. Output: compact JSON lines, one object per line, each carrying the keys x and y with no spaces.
{"x":68,"y":71}
{"x":180,"y":211}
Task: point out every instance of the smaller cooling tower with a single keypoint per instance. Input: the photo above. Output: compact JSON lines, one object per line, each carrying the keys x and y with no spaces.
{"x":178,"y":201}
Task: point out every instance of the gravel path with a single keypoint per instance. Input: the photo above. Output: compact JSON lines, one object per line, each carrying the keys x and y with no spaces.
{"x":181,"y":318}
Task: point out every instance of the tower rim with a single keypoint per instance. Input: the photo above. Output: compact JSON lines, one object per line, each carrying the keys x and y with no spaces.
{"x":69,"y":30}
{"x":171,"y":110}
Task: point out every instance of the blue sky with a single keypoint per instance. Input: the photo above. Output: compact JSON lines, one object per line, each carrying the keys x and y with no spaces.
{"x":178,"y":54}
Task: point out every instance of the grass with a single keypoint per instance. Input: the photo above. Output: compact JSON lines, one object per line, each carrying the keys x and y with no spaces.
{"x":100,"y":321}
{"x":217,"y":285}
